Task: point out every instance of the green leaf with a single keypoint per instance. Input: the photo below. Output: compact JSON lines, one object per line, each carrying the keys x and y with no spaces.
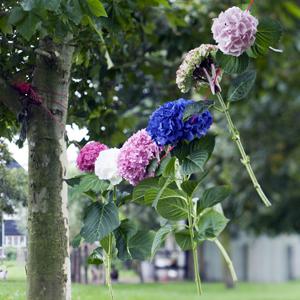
{"x":153,"y":166}
{"x":194,"y":155}
{"x":132,"y":243}
{"x":105,"y":243}
{"x":96,"y":257}
{"x":28,"y":5}
{"x":17,"y":15}
{"x":76,"y":241}
{"x":159,"y":238}
{"x":163,"y":163}
{"x":268,"y":34}
{"x":28,"y":26}
{"x":88,"y":182}
{"x":210,"y":225}
{"x":292,"y":8}
{"x":5,"y":26}
{"x":140,"y":190}
{"x":170,"y":169}
{"x":97,"y":8}
{"x":140,"y":245}
{"x":51,"y":5}
{"x":172,"y":205}
{"x":232,"y":64}
{"x":100,"y":220}
{"x":212,"y":196}
{"x":165,"y":3}
{"x":123,"y":234}
{"x":183,"y":240}
{"x":189,"y":186}
{"x":196,"y":108}
{"x":75,"y":12}
{"x":153,"y":195}
{"x":74,"y":180}
{"x":241,"y":86}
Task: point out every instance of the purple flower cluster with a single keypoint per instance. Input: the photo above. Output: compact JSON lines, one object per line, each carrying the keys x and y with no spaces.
{"x":135,"y":155}
{"x":166,"y":125}
{"x":234,"y":31}
{"x":88,"y":155}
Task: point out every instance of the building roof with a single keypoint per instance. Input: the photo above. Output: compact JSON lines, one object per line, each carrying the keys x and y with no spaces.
{"x":13,"y":165}
{"x":10,"y":228}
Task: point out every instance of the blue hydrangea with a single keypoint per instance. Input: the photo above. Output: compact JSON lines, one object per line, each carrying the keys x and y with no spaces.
{"x":166,"y":126}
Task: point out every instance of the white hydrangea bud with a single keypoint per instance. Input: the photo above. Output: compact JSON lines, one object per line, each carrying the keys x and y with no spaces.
{"x":192,"y":60}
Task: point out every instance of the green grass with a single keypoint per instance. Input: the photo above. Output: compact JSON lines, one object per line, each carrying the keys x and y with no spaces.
{"x":14,"y":289}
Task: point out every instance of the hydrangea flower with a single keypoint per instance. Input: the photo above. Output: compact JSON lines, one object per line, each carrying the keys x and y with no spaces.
{"x":191,"y":71}
{"x":234,"y":31}
{"x":197,"y":126}
{"x":106,"y":166}
{"x":166,"y":126}
{"x":135,"y":156}
{"x":88,"y":155}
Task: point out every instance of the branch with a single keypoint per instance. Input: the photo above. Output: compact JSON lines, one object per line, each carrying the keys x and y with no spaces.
{"x":9,"y":97}
{"x":46,"y":54}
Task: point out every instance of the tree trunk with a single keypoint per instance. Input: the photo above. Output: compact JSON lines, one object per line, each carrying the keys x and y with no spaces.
{"x":48,"y":258}
{"x":86,"y":266}
{"x":79,"y":262}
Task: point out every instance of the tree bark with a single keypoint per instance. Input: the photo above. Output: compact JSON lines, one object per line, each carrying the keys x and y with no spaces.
{"x":48,"y":273}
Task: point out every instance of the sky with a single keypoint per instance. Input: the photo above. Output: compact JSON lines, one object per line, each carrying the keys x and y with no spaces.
{"x":74,"y":134}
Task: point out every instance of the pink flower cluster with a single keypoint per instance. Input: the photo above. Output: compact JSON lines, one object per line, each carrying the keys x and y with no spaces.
{"x":234,"y":31}
{"x":136,"y":154}
{"x":88,"y":155}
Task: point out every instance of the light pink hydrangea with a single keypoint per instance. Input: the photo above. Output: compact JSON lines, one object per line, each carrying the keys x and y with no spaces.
{"x":234,"y":31}
{"x":88,"y":155}
{"x":135,"y":156}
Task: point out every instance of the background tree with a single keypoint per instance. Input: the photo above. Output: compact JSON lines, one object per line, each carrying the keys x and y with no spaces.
{"x":13,"y":182}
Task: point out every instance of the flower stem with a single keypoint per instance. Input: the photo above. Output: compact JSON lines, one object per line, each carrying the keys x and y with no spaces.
{"x":250,"y":5}
{"x":245,"y":158}
{"x":194,"y":246}
{"x":227,"y":260}
{"x":108,"y":267}
{"x":109,"y":254}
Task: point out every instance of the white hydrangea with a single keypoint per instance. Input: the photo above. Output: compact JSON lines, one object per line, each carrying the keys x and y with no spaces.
{"x":106,"y":166}
{"x":193,"y":59}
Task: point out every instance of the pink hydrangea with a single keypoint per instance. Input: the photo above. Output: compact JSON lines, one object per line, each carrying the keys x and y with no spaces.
{"x":88,"y":155}
{"x":136,"y":154}
{"x":234,"y":31}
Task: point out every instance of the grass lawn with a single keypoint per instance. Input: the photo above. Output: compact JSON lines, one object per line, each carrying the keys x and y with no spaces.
{"x":14,"y":289}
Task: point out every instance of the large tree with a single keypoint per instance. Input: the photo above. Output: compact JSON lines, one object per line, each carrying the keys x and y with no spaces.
{"x":40,"y":42}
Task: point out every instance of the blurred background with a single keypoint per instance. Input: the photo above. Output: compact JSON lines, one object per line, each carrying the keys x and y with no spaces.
{"x":109,"y":105}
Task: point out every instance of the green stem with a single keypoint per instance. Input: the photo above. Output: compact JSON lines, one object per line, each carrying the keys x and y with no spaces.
{"x":194,"y":246}
{"x":227,"y":260}
{"x":108,"y":267}
{"x":245,"y":158}
{"x":109,"y":254}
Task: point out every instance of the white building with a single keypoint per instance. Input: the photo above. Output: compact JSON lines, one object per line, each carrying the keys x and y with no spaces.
{"x":255,"y":259}
{"x":10,"y":235}
{"x":258,"y":259}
